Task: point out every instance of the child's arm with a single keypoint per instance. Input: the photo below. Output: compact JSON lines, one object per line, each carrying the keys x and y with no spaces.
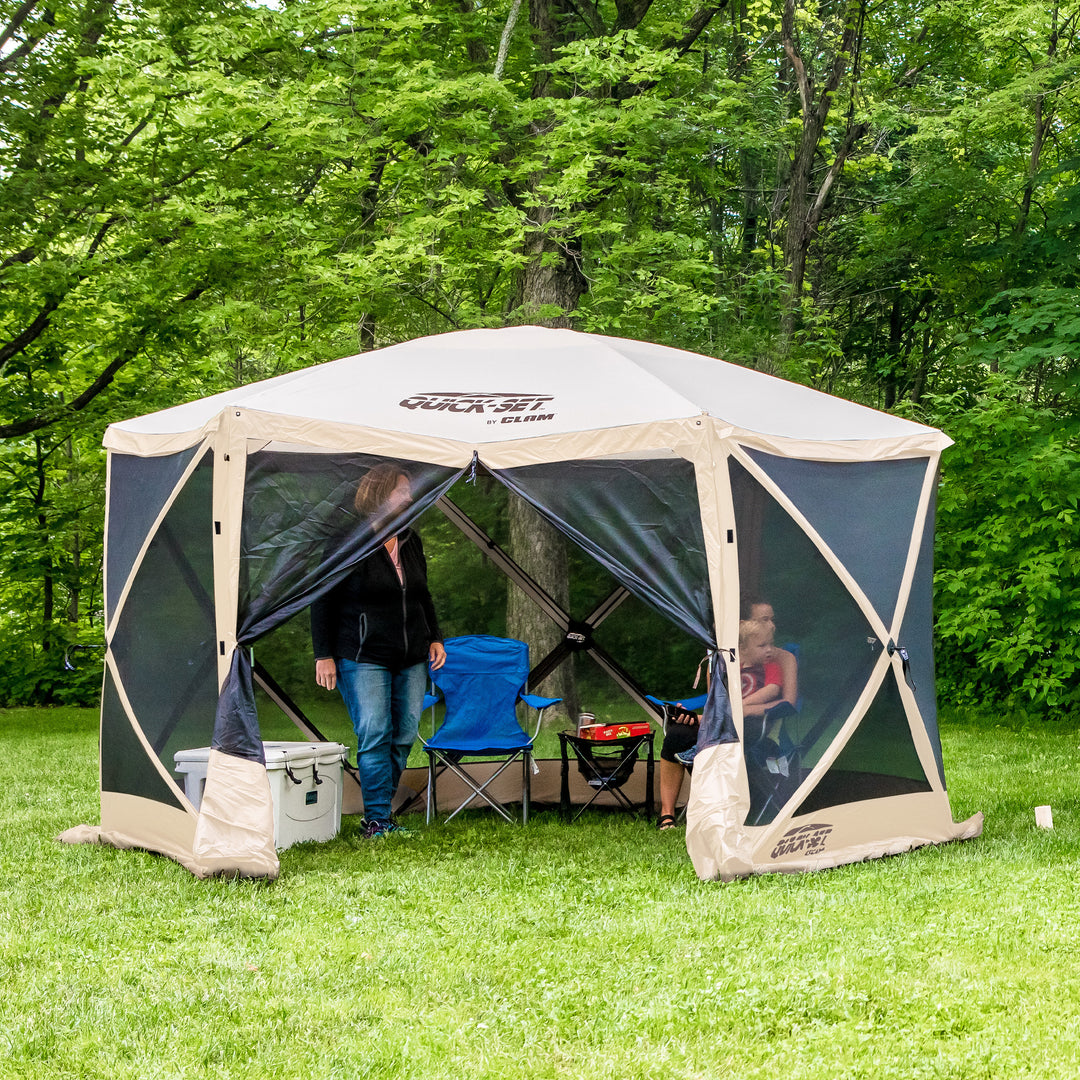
{"x":756,"y":703}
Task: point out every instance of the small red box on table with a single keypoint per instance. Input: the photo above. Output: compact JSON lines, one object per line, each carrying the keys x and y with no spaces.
{"x":607,"y":732}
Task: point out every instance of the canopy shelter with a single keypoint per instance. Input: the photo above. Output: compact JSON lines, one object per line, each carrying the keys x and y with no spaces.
{"x":693,"y":481}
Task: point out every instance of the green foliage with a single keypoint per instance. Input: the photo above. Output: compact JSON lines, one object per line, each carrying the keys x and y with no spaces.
{"x":1008,"y":559}
{"x":206,"y":192}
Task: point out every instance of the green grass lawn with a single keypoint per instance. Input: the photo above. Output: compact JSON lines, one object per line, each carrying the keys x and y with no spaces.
{"x":485,"y":950}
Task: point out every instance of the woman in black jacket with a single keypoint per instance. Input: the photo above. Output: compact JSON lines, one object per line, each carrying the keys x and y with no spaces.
{"x":374,"y":635}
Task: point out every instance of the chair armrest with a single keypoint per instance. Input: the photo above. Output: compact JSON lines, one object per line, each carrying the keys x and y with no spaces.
{"x":690,"y":704}
{"x":539,"y":702}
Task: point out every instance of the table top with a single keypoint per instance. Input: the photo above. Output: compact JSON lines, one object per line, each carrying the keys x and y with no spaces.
{"x":572,"y":737}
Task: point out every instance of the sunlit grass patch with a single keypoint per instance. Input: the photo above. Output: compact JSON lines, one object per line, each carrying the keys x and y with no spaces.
{"x":485,"y":950}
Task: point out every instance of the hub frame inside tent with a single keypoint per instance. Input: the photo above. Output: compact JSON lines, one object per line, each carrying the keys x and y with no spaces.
{"x":689,"y":479}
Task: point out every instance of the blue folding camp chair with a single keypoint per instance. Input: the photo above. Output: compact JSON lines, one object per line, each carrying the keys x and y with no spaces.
{"x":481,"y":682}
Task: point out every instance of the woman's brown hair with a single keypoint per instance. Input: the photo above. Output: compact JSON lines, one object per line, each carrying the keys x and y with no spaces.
{"x":376,"y":487}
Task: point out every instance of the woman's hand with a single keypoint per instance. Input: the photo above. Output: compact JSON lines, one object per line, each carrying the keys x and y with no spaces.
{"x":326,"y":673}
{"x":436,"y":655}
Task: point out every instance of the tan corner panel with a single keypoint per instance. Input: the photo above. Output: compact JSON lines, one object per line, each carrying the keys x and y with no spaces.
{"x":235,"y":830}
{"x":863,"y":830}
{"x":720,"y":845}
{"x":130,"y":821}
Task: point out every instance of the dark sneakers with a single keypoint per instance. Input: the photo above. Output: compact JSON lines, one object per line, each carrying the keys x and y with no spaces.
{"x":375,"y":830}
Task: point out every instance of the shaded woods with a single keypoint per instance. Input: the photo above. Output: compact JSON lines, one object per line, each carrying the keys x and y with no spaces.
{"x":881,"y":201}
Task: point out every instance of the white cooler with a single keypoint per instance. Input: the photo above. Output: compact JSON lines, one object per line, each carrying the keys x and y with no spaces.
{"x":305,"y":785}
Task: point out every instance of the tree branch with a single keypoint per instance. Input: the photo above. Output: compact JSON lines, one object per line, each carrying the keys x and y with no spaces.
{"x":787,"y":33}
{"x":504,"y":41}
{"x":851,"y":137}
{"x":40,"y":324}
{"x":21,"y":428}
{"x":21,"y":14}
{"x":695,"y":26}
{"x":630,"y":13}
{"x":30,"y":334}
{"x":9,"y":60}
{"x":589,"y":13}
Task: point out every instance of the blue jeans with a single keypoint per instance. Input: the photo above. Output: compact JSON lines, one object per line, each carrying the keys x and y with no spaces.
{"x":385,"y":708}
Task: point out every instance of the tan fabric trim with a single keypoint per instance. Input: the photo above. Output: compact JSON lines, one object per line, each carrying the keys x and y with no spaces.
{"x":925,"y":498}
{"x":263,"y":428}
{"x":129,"y":821}
{"x":862,"y":830}
{"x":230,"y":462}
{"x":321,"y":435}
{"x":235,"y":830}
{"x":145,"y":445}
{"x":720,"y":846}
{"x":352,"y":799}
{"x":928,"y":442}
{"x":81,"y":834}
{"x":682,"y":436}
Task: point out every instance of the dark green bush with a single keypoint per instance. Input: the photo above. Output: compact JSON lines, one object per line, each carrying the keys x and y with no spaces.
{"x":1008,"y":552}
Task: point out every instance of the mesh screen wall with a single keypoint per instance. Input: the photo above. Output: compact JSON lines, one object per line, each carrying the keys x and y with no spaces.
{"x":836,"y":644}
{"x":164,"y":645}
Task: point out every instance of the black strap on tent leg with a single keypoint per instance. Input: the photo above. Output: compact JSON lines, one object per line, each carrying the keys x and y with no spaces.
{"x":905,"y":662}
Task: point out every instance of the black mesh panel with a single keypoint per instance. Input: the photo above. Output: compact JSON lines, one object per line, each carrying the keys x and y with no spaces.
{"x":639,"y":519}
{"x":865,"y":512}
{"x":125,"y":767}
{"x":879,"y":759}
{"x":165,"y":645}
{"x":818,"y":620}
{"x":302,"y":532}
{"x":138,"y":489}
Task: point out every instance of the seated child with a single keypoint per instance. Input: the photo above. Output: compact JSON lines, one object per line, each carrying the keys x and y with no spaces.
{"x":761,"y":682}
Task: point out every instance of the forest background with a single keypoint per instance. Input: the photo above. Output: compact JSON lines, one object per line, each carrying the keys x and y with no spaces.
{"x":877,"y":199}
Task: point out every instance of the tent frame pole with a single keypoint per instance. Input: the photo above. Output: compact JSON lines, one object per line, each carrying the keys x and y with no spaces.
{"x":577,"y":634}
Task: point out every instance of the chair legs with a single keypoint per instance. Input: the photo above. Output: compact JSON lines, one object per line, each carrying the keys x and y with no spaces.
{"x":439,"y":762}
{"x":526,"y":785}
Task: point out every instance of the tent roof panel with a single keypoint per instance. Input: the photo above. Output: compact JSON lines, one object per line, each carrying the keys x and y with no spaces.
{"x":484,"y":386}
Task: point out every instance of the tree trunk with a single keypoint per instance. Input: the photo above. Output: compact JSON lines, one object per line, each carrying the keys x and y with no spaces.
{"x":804,"y":207}
{"x":541,"y":551}
{"x":551,"y":285}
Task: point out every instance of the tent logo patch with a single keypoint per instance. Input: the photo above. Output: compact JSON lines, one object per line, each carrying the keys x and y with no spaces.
{"x":805,"y":840}
{"x":496,"y":408}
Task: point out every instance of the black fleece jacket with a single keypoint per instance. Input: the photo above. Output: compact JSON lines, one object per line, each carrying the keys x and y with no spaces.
{"x":372,"y":618}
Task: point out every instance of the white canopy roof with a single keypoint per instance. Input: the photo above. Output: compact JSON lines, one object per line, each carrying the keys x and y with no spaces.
{"x":483,"y":386}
